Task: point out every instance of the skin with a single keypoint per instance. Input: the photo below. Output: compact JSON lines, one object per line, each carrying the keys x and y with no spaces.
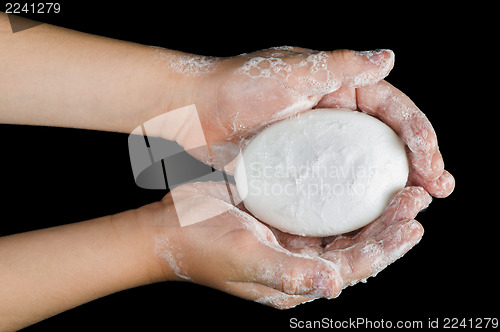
{"x":276,"y":268}
{"x":57,"y":77}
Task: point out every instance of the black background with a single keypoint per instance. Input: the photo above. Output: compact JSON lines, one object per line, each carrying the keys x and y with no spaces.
{"x":52,"y":176}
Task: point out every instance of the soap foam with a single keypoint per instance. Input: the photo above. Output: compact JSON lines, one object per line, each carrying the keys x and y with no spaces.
{"x":259,"y":67}
{"x":310,"y":76}
{"x":173,"y":257}
{"x":187,"y":64}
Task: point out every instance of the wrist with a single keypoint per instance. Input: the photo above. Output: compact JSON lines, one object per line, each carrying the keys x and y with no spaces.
{"x":188,"y":82}
{"x":156,"y":225}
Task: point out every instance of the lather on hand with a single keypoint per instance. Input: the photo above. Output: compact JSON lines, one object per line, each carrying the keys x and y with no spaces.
{"x":253,"y":90}
{"x":104,"y":84}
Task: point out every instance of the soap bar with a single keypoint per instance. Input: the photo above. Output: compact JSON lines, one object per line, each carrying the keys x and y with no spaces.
{"x":323,"y":172}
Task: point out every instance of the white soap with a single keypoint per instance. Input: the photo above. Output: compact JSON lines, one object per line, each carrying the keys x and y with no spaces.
{"x":321,"y":173}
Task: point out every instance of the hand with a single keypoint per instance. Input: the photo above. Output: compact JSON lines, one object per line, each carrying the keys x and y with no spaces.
{"x":364,"y":253}
{"x":244,"y":93}
{"x":235,"y":97}
{"x":253,"y":90}
{"x":237,"y":254}
{"x":393,"y":107}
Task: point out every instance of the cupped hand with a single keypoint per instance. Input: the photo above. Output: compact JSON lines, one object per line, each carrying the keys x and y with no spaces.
{"x":247,"y":92}
{"x":395,"y":109}
{"x":252,"y":90}
{"x":235,"y":253}
{"x":240,"y":95}
{"x":363,"y":253}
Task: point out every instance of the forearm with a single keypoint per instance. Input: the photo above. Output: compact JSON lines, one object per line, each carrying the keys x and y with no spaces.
{"x":59,"y":77}
{"x":48,"y":271}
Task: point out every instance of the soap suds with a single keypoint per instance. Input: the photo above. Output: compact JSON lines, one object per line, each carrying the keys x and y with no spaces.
{"x":407,"y":204}
{"x":187,"y":64}
{"x":279,"y":300}
{"x":308,"y":77}
{"x":173,"y":257}
{"x":259,"y":67}
{"x":391,"y":248}
{"x":375,"y":57}
{"x":372,"y":249}
{"x":321,"y":80}
{"x":377,"y":253}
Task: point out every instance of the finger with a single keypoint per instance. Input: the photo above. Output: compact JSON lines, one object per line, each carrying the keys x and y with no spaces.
{"x":357,"y":69}
{"x":344,"y":97}
{"x":320,"y":73}
{"x":221,"y":191}
{"x":293,"y":274}
{"x":407,"y":203}
{"x":303,"y":245}
{"x":370,"y":257}
{"x":271,"y":265}
{"x":265,"y":295}
{"x":217,"y":190}
{"x":440,"y":188}
{"x":387,"y":103}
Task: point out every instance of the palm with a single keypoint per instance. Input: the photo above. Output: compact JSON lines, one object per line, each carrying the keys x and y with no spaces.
{"x":234,"y":252}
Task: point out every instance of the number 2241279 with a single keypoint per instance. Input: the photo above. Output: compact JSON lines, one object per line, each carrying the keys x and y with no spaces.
{"x":32,"y":8}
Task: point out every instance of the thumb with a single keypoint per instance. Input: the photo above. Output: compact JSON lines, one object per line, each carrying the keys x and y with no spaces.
{"x":357,"y":69}
{"x":295,"y":274}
